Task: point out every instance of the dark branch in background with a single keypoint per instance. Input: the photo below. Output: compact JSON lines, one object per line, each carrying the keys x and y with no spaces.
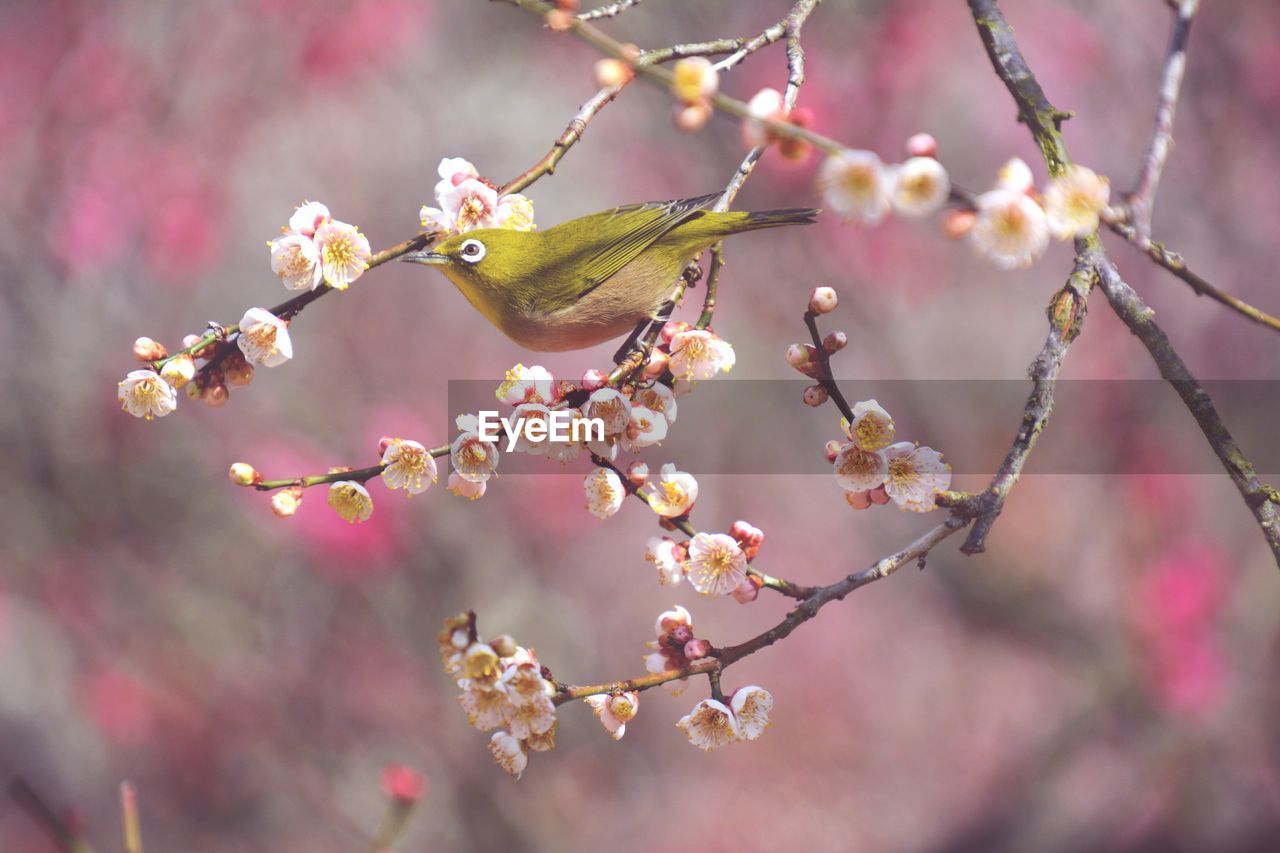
{"x":1012,"y":68}
{"x":825,"y":377}
{"x":1141,"y":201}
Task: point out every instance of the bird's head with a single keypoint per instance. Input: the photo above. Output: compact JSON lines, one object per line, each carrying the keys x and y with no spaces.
{"x":485,"y":259}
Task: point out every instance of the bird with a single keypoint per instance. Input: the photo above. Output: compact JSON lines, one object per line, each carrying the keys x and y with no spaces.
{"x":591,"y":279}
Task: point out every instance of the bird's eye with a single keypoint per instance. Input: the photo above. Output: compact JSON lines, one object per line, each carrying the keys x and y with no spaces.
{"x":472,"y":251}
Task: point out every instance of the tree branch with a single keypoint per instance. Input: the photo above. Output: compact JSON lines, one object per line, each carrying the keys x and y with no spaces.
{"x":1141,"y":200}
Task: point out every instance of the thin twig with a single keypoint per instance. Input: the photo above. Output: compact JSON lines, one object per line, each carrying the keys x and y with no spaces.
{"x":572,"y":133}
{"x":613,"y":10}
{"x":357,"y":475}
{"x":803,"y":612}
{"x":1141,"y":200}
{"x":1173,"y":262}
{"x":825,"y":378}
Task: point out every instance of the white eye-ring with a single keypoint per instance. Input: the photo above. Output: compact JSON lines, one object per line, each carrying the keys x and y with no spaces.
{"x":472,"y":251}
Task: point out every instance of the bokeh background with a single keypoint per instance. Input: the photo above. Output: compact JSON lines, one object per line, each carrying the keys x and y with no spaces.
{"x":1103,"y":678}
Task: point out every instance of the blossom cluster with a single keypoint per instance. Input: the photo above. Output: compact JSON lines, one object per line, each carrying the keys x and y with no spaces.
{"x":874,"y":469}
{"x":712,"y":722}
{"x":504,"y":687}
{"x":860,"y":187}
{"x":714,"y":563}
{"x":467,"y":201}
{"x":769,"y":105}
{"x":316,"y":248}
{"x":694,"y":81}
{"x":1011,"y":224}
{"x":261,"y":340}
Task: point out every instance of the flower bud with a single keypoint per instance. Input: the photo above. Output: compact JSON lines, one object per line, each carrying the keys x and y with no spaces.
{"x":794,"y":148}
{"x":696,"y":649}
{"x":671,"y":328}
{"x":179,"y":370}
{"x":691,"y":117}
{"x":285,"y":502}
{"x":747,"y":591}
{"x":922,"y":145}
{"x":858,"y":500}
{"x":823,"y":300}
{"x":194,"y":391}
{"x":216,"y":395}
{"x":637,"y":473}
{"x":1015,"y":176}
{"x":403,"y":783}
{"x":832,"y":450}
{"x":559,"y":20}
{"x":238,"y":371}
{"x":879,"y":495}
{"x":798,"y":355}
{"x":657,"y":363}
{"x":956,"y":224}
{"x":624,"y":706}
{"x":593,"y":379}
{"x":146,"y":350}
{"x":612,"y":72}
{"x":815,"y":395}
{"x":383,"y":443}
{"x":505,"y":645}
{"x":244,"y":474}
{"x":835,"y":342}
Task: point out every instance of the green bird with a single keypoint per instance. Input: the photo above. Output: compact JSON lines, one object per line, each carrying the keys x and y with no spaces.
{"x":590,"y":279}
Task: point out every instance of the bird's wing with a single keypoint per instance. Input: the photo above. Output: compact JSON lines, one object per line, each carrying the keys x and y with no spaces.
{"x":644,"y":224}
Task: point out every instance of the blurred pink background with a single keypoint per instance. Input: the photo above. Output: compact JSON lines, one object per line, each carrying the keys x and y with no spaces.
{"x":1103,"y":678}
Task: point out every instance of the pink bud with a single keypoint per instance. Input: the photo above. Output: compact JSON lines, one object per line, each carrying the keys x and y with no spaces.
{"x":145,"y":349}
{"x":612,"y":72}
{"x":958,"y":223}
{"x":691,"y":117}
{"x":671,"y":328}
{"x":747,"y":591}
{"x":823,"y":300}
{"x":815,"y":395}
{"x":879,"y":495}
{"x":696,"y":649}
{"x":403,"y":783}
{"x":637,"y":473}
{"x":797,"y":355}
{"x":858,"y":500}
{"x":657,"y":363}
{"x":922,"y":145}
{"x":383,"y":443}
{"x":593,"y":379}
{"x":216,"y":395}
{"x":832,"y":450}
{"x":741,"y":531}
{"x":835,"y":342}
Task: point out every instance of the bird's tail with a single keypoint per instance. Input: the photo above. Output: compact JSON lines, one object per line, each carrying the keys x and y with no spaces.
{"x":775,"y":218}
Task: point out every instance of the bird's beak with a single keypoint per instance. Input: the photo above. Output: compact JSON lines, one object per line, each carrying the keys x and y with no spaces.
{"x":432,"y":258}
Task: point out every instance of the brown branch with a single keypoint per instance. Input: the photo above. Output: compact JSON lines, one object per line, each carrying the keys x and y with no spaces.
{"x":1128,"y":305}
{"x":1066,"y":314}
{"x":357,"y":475}
{"x":1141,"y":200}
{"x":1012,"y":68}
{"x":825,"y":378}
{"x":803,"y":612}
